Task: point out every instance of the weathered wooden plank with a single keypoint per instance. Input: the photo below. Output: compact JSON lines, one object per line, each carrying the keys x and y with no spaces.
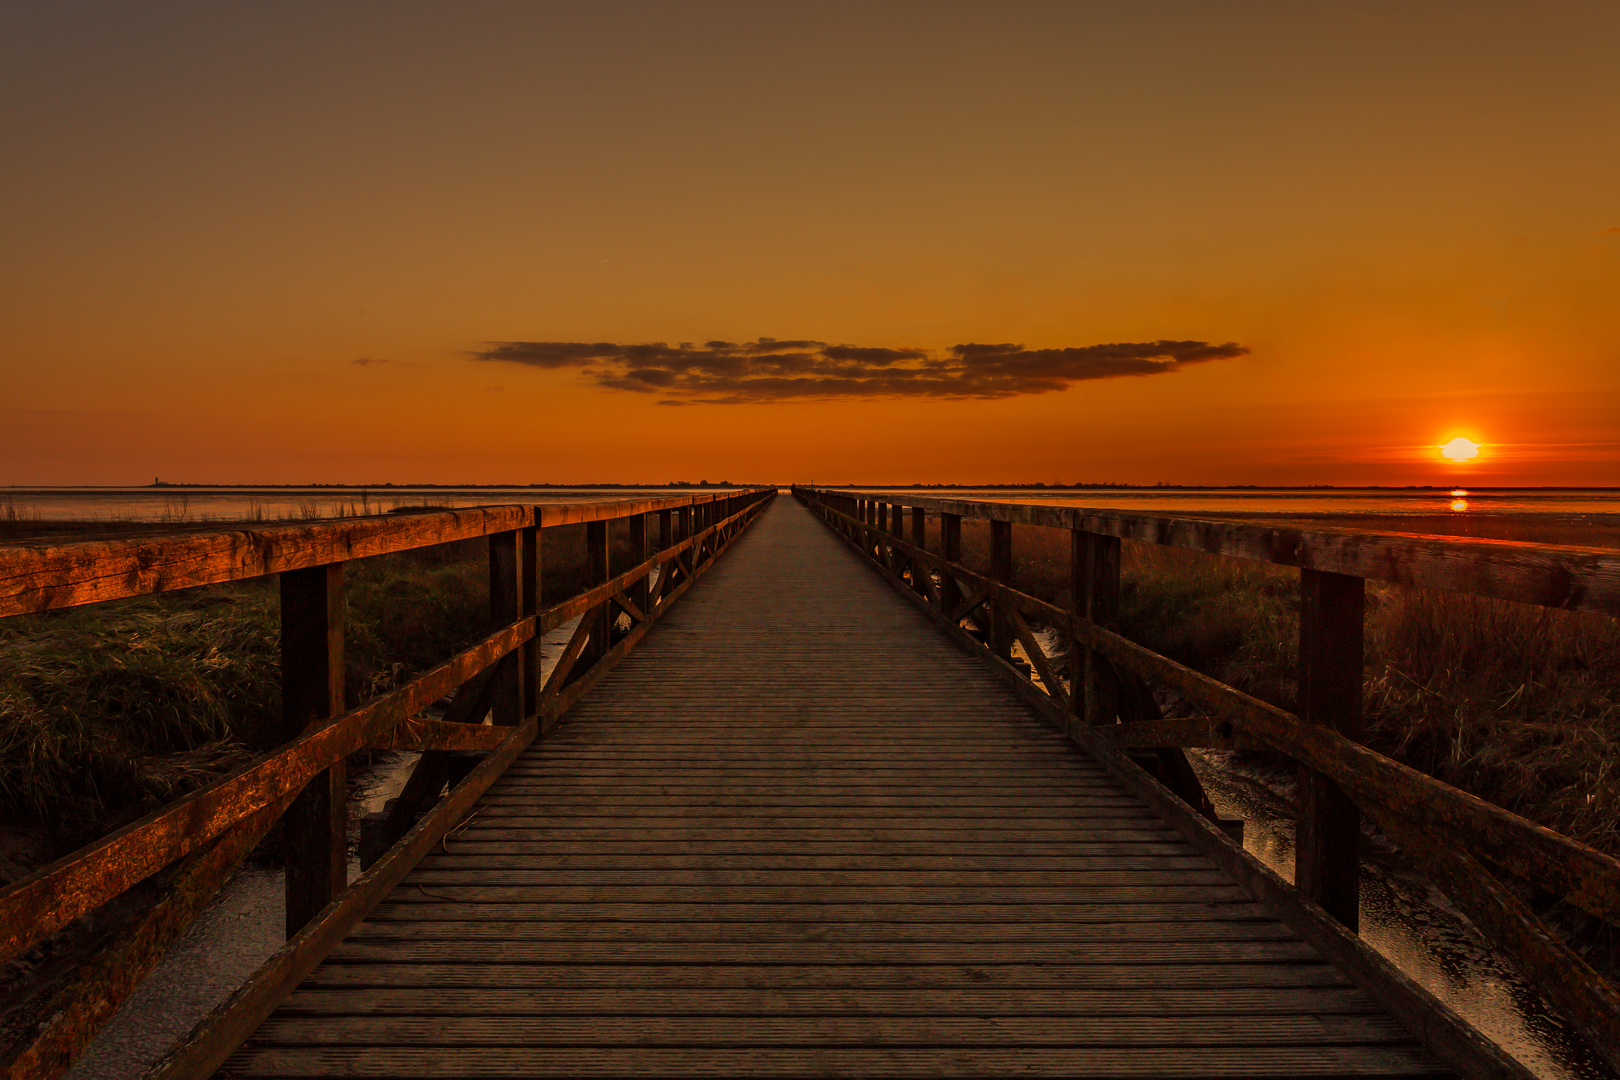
{"x":1290,"y":1029}
{"x":409,"y":905}
{"x":43,"y":577}
{"x":876,"y":896}
{"x":1027,"y":932}
{"x":836,"y":1062}
{"x":890,"y":953}
{"x":933,"y":877}
{"x":469,"y":852}
{"x":829,"y":976}
{"x":1230,"y":1002}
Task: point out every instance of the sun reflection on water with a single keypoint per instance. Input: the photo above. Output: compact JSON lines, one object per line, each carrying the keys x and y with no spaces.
{"x":1459,"y":506}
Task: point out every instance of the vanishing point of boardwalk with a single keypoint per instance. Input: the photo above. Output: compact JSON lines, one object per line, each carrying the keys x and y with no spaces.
{"x":799,"y":833}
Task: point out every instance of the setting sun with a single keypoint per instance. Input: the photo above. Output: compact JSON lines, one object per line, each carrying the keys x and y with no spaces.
{"x":1460,"y":449}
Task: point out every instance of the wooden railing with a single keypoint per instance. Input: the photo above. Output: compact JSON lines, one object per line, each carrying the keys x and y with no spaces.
{"x":187,"y":849}
{"x":1466,"y":844}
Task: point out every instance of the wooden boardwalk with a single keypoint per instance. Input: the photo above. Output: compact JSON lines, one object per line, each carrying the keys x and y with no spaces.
{"x":800,"y":833}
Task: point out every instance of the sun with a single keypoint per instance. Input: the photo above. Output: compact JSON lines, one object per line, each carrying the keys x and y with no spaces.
{"x":1460,"y":449}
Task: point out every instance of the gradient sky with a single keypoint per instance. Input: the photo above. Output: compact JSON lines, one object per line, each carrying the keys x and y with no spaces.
{"x":289,"y":243}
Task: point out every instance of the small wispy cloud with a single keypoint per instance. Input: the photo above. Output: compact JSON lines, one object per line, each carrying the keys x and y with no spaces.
{"x":367,"y":361}
{"x":1610,"y":231}
{"x":771,"y":369}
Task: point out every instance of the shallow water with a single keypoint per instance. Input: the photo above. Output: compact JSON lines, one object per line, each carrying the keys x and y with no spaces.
{"x":1414,"y":925}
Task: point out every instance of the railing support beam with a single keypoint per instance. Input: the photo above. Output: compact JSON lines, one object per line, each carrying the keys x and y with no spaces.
{"x":317,"y":840}
{"x":1328,"y":833}
{"x":950,"y":549}
{"x":1094,"y":593}
{"x":505,"y":600}
{"x":1000,"y":628}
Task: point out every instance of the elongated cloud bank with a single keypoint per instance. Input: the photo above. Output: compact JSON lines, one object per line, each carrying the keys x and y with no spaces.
{"x":727,"y":373}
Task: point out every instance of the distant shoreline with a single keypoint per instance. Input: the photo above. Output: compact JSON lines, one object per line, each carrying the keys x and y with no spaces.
{"x":707,"y":484}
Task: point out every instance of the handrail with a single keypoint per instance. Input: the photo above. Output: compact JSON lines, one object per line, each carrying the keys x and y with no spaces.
{"x":1549,"y":575}
{"x":303,"y":778}
{"x":40,"y":576}
{"x":1466,"y":839}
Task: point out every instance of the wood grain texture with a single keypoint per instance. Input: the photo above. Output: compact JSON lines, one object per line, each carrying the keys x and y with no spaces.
{"x":797,"y":832}
{"x":37,"y":576}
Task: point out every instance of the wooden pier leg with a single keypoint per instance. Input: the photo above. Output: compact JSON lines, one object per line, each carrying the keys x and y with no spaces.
{"x":1328,"y":832}
{"x":505,"y":597}
{"x":1000,"y":629}
{"x":317,"y":841}
{"x":1094,"y":563}
{"x":596,"y":572}
{"x":638,"y":590}
{"x":882,"y":530}
{"x":950,"y":549}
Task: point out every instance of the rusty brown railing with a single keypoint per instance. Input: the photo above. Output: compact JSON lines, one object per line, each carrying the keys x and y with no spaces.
{"x":1467,"y":845}
{"x":189,"y":848}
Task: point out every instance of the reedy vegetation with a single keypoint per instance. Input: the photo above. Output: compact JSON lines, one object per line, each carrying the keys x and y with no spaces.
{"x":110,"y":710}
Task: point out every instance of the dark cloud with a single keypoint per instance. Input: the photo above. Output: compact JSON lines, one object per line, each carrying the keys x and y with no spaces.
{"x":872,"y":356}
{"x":768,"y":369}
{"x":549,"y":354}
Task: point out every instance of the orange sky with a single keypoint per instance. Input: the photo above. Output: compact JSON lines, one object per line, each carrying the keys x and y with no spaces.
{"x":1408,"y":214}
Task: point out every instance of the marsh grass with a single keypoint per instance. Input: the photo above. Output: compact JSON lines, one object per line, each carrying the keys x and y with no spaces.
{"x":110,"y":710}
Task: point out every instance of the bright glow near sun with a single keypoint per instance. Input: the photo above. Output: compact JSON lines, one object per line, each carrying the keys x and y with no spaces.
{"x":1460,"y":449}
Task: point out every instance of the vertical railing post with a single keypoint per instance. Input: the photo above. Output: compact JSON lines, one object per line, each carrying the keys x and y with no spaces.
{"x":1000,"y":570}
{"x":317,"y":833}
{"x":919,"y":537}
{"x":1328,"y":832}
{"x":505,"y":597}
{"x":881,"y":530}
{"x":639,"y":589}
{"x":528,"y":608}
{"x":950,"y":549}
{"x":666,"y":532}
{"x":596,"y":572}
{"x":1094,"y":591}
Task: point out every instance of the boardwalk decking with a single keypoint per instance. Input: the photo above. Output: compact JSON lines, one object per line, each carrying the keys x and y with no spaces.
{"x":798,"y":832}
